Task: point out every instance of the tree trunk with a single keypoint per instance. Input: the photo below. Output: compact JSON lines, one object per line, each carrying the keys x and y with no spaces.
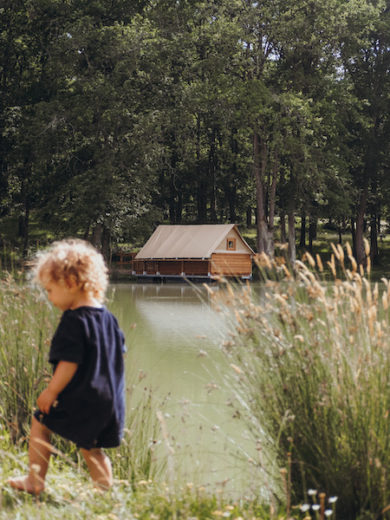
{"x":374,"y":250}
{"x":173,"y":191}
{"x":248,"y":217}
{"x":172,"y":197}
{"x":212,"y":176}
{"x":106,"y":245}
{"x":353,"y":235}
{"x":272,"y":205}
{"x":97,"y":233}
{"x":26,"y":227}
{"x":283,"y":231}
{"x":86,"y":232}
{"x":179,"y":208}
{"x":312,"y":231}
{"x":359,"y":237}
{"x":282,"y":213}
{"x":231,"y":199}
{"x":24,"y":221}
{"x":302,"y":240}
{"x":202,"y":202}
{"x":260,"y":157}
{"x":101,"y":239}
{"x":291,"y":235}
{"x":201,"y":191}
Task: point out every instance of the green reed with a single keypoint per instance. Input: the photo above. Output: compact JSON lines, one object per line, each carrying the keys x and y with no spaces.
{"x":26,"y":325}
{"x":311,"y":365}
{"x":137,"y":460}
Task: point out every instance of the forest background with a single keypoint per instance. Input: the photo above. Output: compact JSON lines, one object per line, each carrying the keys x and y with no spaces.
{"x":117,"y":115}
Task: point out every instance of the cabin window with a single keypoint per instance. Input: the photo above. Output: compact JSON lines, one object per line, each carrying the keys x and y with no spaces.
{"x":231,"y":244}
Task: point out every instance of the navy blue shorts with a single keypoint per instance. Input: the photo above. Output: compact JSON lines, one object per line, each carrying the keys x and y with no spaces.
{"x":83,"y":433}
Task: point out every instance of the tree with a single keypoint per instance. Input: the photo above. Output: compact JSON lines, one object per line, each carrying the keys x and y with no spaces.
{"x":366,"y":62}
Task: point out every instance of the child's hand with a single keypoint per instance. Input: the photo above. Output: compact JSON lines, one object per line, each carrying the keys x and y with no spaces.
{"x":45,"y":400}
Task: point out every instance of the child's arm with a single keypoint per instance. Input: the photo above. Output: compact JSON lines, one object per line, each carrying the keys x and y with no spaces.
{"x":63,"y":374}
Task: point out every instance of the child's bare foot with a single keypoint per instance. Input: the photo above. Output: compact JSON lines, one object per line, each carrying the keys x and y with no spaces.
{"x":28,"y":484}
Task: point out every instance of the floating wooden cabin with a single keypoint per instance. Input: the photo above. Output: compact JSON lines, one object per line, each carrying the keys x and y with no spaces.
{"x":194,"y":252}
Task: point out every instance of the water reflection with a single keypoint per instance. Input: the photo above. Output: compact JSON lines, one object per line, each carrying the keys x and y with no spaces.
{"x":182,"y":312}
{"x":173,"y":337}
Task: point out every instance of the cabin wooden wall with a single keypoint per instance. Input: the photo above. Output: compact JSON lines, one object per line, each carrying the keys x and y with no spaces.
{"x":172,"y":267}
{"x":230,"y":264}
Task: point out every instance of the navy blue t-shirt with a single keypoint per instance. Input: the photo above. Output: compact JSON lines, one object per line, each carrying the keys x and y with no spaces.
{"x":90,"y":411}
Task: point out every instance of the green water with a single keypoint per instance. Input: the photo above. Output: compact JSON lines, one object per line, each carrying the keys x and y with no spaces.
{"x":173,"y":337}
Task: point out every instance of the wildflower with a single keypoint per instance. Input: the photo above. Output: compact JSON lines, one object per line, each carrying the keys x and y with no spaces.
{"x":315,"y":507}
{"x":312,"y":492}
{"x":332,"y":500}
{"x":305,"y":507}
{"x":328,"y":512}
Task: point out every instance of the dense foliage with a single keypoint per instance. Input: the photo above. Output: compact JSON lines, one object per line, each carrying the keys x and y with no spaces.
{"x":117,"y":115}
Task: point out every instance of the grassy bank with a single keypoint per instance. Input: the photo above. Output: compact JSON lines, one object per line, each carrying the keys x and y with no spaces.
{"x":69,"y":494}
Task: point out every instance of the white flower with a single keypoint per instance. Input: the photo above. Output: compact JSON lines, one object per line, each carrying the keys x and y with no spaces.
{"x":315,"y":507}
{"x":332,"y":500}
{"x":305,"y":507}
{"x":312,"y":492}
{"x":328,"y":512}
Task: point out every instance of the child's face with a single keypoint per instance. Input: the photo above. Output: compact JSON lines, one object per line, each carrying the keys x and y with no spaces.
{"x":61,"y":294}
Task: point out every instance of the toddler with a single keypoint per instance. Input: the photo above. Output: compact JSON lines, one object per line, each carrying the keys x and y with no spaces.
{"x":85,"y":398}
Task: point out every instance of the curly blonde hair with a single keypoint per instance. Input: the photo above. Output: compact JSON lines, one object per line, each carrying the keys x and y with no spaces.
{"x":73,"y":259}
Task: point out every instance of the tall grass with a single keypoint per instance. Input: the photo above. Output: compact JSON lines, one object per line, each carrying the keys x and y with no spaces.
{"x":137,"y":459}
{"x":26,"y":325}
{"x":311,"y":364}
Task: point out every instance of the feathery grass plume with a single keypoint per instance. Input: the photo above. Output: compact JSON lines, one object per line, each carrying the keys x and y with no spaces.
{"x":315,"y":368}
{"x":319,"y":263}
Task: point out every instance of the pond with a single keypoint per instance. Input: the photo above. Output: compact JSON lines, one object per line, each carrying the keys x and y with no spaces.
{"x":174,"y":336}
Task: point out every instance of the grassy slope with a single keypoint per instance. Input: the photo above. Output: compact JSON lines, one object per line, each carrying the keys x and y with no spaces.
{"x":69,"y":494}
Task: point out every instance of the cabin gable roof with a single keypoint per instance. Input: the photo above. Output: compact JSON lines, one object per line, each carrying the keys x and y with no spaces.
{"x":188,"y":241}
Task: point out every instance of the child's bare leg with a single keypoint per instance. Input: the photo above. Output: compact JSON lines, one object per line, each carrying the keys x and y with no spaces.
{"x":99,"y":466}
{"x":39,"y":454}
